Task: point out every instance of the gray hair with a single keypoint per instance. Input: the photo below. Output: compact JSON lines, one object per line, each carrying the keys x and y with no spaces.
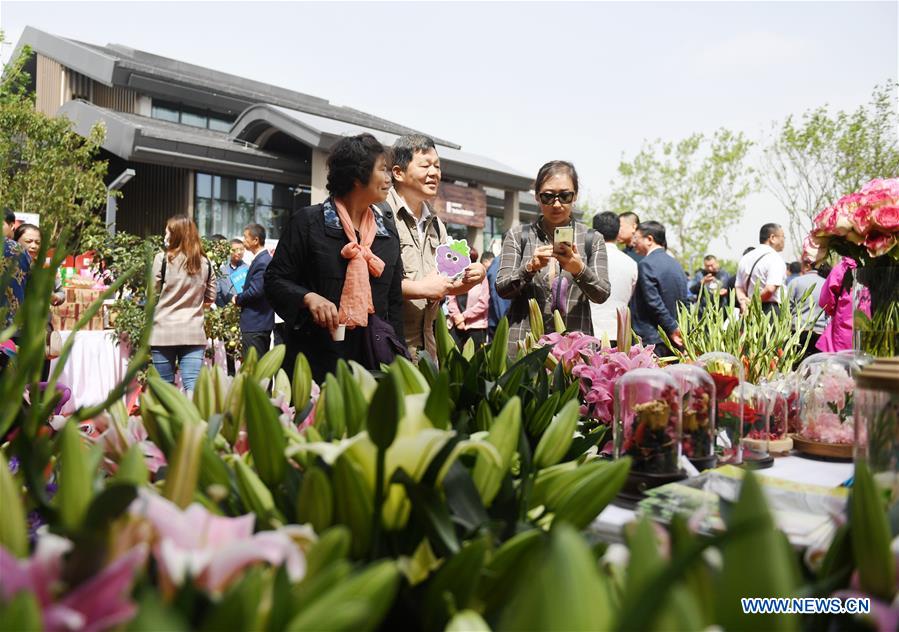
{"x":405,"y":147}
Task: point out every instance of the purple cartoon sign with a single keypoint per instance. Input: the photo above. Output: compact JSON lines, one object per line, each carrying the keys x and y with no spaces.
{"x":453,"y":257}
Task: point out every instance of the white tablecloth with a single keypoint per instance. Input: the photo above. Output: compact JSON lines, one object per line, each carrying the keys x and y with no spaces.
{"x":95,"y":365}
{"x":609,"y":523}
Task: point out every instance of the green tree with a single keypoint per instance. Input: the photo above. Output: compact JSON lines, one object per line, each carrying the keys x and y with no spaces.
{"x":696,"y":187}
{"x":45,"y":167}
{"x":815,"y":159}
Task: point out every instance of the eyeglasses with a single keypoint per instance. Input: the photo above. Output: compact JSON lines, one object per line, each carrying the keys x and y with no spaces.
{"x":565,"y":197}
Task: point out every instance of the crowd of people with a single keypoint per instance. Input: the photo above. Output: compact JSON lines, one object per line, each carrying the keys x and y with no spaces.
{"x":356,"y":277}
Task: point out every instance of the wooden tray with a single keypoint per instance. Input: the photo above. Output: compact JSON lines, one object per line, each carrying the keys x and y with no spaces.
{"x":842,"y":451}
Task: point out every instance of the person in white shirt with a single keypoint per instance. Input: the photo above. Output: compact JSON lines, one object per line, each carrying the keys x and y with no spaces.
{"x":764,"y":269}
{"x":622,"y":278}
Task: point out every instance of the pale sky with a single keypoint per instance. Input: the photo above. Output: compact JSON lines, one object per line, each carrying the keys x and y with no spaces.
{"x":524,"y":83}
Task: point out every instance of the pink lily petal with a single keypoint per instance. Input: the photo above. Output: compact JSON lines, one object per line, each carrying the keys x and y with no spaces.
{"x":104,"y":600}
{"x":268,"y":546}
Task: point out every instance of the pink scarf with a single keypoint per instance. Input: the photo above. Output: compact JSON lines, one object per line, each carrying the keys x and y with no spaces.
{"x":355,"y":301}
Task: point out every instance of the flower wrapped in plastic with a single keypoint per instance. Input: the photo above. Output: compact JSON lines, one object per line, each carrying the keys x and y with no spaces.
{"x":727,"y":373}
{"x":697,"y":391}
{"x":648,"y":421}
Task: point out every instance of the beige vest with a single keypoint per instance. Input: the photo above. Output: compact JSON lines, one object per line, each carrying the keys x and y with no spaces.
{"x":419,"y":261}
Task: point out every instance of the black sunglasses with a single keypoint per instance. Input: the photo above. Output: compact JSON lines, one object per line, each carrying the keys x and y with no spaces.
{"x":565,"y":197}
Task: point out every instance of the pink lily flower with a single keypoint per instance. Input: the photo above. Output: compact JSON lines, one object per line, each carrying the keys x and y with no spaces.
{"x":117,"y":438}
{"x":212,"y":550}
{"x":99,"y":603}
{"x":571,"y":347}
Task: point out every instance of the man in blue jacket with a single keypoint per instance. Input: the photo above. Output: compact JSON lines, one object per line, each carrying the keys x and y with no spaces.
{"x":257,"y":318}
{"x":661,"y":285}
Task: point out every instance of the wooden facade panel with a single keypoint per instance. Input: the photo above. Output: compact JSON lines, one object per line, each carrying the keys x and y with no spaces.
{"x":151,"y":197}
{"x":116,"y":98}
{"x":50,"y":84}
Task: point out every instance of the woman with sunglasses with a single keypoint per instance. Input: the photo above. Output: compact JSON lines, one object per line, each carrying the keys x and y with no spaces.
{"x":563,"y":269}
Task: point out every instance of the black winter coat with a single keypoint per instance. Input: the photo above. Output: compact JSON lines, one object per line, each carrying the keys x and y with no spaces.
{"x":308,"y":259}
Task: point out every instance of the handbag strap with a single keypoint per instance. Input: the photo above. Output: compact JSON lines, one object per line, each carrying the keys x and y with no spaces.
{"x":751,"y":270}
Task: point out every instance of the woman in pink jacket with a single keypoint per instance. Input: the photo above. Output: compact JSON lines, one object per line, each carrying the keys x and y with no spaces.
{"x":836,"y":300}
{"x":469,"y":320}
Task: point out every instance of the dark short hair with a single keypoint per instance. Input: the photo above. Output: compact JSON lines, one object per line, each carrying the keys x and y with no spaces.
{"x":487,"y":256}
{"x":607,"y":224}
{"x":21,"y":228}
{"x":217,"y":237}
{"x":748,"y":250}
{"x":257,"y":231}
{"x":352,"y":159}
{"x":768,"y":230}
{"x":655,"y":230}
{"x":795,"y":267}
{"x":236,"y":241}
{"x":8,"y":216}
{"x":630,"y":214}
{"x":405,"y":147}
{"x":552,"y":168}
{"x":710,"y":258}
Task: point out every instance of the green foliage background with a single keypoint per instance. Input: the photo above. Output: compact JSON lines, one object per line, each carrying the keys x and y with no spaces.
{"x":45,"y":167}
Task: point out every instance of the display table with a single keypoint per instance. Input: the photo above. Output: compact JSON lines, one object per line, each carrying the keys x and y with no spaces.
{"x":608,"y":524}
{"x":94,"y":367}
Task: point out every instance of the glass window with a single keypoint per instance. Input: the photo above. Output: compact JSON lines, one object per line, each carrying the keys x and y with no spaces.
{"x":204,"y":185}
{"x":225,"y":205}
{"x":203,"y":213}
{"x":164,"y":112}
{"x":245,"y":191}
{"x":219,"y":124}
{"x":264,"y":193}
{"x":195,"y":119}
{"x":244,"y":214}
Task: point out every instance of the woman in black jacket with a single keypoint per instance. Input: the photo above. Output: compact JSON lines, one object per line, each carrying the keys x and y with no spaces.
{"x":319,"y":278}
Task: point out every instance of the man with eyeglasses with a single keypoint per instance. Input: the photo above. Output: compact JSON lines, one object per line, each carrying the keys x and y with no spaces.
{"x":416,"y":178}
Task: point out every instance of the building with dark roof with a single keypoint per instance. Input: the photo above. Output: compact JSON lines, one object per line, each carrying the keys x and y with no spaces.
{"x":229,"y":150}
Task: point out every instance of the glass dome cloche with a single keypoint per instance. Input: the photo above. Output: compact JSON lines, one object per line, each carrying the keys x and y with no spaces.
{"x":826,"y":405}
{"x":727,"y":373}
{"x":877,"y":423}
{"x":647,"y":424}
{"x":756,"y":426}
{"x":697,"y":391}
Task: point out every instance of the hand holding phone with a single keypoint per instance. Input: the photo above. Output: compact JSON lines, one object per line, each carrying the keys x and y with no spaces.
{"x":563,"y":235}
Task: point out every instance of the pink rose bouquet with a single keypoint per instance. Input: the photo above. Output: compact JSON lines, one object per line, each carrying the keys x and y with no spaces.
{"x":862,"y":225}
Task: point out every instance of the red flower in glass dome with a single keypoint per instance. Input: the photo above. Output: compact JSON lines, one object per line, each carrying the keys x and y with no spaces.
{"x":724,"y":384}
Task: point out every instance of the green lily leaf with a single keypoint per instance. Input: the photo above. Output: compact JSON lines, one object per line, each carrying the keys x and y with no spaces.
{"x":302,"y":383}
{"x":355,"y":603}
{"x":76,"y":478}
{"x":385,"y":411}
{"x":184,"y":468}
{"x":335,"y":412}
{"x":561,"y":589}
{"x":315,"y":503}
{"x":454,"y":584}
{"x":498,"y":354}
{"x":265,"y":434}
{"x":756,"y":564}
{"x":870,"y":534}
{"x":440,"y":406}
{"x":13,"y":529}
